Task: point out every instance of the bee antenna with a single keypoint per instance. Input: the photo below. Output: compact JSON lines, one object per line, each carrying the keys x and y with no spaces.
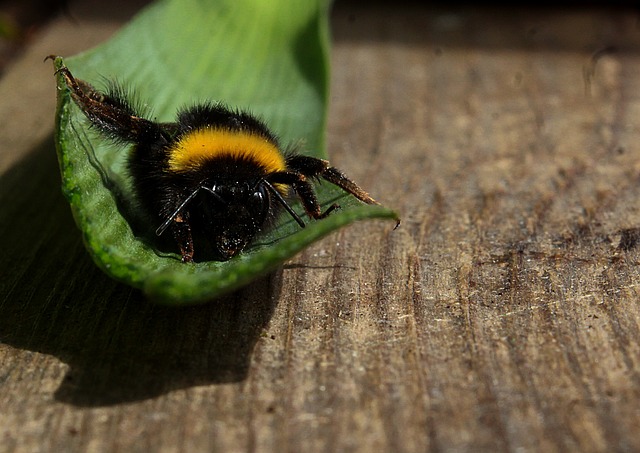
{"x":283,"y":202}
{"x":161,"y":229}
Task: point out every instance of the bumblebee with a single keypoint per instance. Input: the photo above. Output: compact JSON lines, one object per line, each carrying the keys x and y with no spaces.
{"x":215,"y":173}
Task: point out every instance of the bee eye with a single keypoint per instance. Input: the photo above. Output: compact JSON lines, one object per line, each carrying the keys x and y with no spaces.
{"x":260,"y":199}
{"x":259,"y":194}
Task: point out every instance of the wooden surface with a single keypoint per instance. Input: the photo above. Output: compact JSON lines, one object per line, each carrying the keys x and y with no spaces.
{"x":503,"y":315}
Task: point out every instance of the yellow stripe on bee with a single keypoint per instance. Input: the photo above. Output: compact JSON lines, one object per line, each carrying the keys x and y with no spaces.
{"x":202,"y":145}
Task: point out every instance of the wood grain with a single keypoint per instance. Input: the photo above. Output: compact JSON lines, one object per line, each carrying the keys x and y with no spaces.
{"x":502,"y":315}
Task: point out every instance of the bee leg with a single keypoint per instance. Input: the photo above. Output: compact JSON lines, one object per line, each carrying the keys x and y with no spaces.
{"x":313,"y":167}
{"x":305,"y":192}
{"x":182,"y":235}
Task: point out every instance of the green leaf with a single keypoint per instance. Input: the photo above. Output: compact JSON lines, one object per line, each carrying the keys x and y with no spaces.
{"x":270,"y":58}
